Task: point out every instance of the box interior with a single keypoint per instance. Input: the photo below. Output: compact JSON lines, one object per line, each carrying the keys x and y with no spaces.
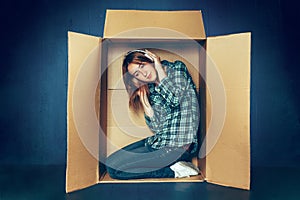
{"x":123,"y":126}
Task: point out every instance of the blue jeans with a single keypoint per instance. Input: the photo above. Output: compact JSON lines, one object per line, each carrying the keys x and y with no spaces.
{"x":137,"y":161}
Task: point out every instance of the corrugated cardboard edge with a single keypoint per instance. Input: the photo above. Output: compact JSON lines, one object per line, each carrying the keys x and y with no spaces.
{"x":139,"y":23}
{"x":228,"y":163}
{"x":82,"y":168}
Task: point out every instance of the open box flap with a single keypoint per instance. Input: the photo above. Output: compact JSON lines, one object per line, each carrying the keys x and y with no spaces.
{"x":228,"y":154}
{"x":83,"y":111}
{"x":153,"y":24}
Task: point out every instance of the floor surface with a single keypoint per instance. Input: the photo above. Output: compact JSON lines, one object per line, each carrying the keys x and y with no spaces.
{"x":47,"y":182}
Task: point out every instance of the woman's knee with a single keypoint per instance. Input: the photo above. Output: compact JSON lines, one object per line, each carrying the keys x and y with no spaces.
{"x":116,"y":174}
{"x":111,"y":172}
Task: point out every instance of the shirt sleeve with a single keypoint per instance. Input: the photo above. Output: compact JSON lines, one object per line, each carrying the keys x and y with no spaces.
{"x":152,"y":122}
{"x":175,"y":84}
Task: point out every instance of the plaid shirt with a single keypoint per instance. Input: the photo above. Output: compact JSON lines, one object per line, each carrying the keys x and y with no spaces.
{"x":176,"y":109}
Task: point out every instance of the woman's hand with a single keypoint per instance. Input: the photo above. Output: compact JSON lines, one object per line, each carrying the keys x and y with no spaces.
{"x":145,"y":102}
{"x":157,"y":64}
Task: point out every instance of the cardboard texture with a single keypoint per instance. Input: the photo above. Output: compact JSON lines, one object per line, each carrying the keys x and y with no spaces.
{"x":227,"y":163}
{"x":120,"y":21}
{"x":82,"y":167}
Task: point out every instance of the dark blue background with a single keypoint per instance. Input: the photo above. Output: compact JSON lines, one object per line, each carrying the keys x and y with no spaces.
{"x":33,"y":73}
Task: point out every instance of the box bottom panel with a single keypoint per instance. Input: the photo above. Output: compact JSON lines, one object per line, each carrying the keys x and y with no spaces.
{"x":107,"y":179}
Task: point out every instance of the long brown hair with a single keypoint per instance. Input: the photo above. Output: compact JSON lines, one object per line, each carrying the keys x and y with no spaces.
{"x":133,"y":85}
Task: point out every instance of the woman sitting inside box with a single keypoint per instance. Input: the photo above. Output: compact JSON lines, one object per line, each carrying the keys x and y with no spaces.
{"x":167,"y":94}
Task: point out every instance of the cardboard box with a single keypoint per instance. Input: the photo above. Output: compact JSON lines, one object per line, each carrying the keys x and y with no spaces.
{"x":99,"y":121}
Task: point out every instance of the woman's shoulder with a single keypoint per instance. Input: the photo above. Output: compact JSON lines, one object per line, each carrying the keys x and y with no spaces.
{"x":177,"y":64}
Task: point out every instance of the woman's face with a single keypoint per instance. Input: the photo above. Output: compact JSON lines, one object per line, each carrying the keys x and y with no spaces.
{"x":144,"y":72}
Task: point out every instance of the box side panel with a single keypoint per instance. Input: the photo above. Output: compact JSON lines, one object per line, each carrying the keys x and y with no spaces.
{"x":121,"y":23}
{"x":202,"y":103}
{"x":82,"y":111}
{"x":103,"y":110}
{"x":228,"y":159}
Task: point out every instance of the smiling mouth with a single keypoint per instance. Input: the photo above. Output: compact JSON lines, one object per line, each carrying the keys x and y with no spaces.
{"x":149,"y":76}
